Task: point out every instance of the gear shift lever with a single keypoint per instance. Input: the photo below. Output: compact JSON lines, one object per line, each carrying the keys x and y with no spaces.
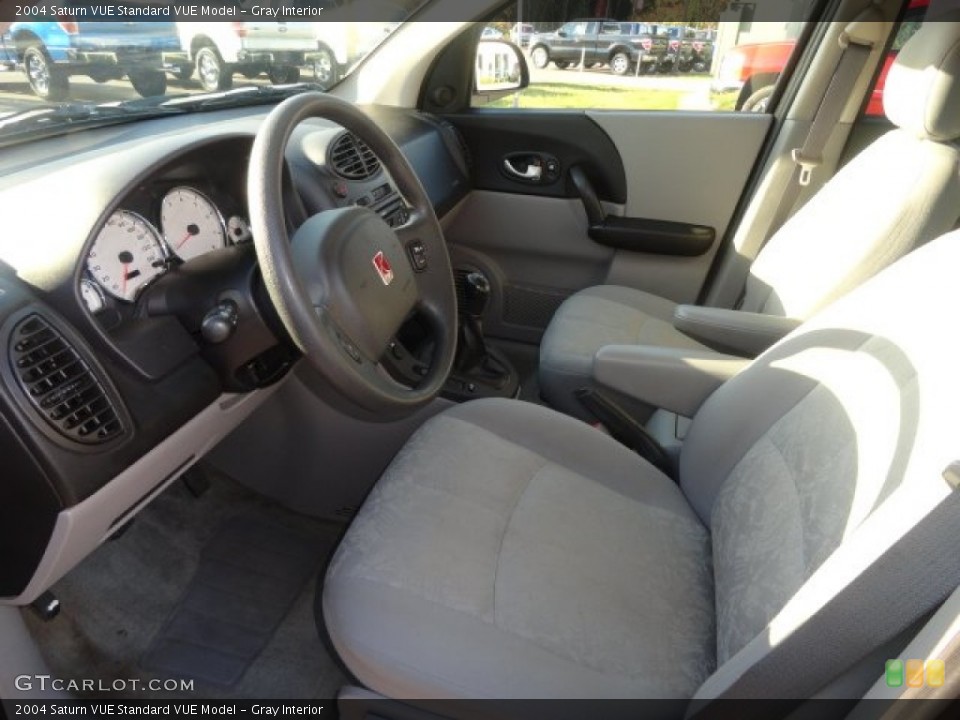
{"x":472,"y":349}
{"x":476,"y":294}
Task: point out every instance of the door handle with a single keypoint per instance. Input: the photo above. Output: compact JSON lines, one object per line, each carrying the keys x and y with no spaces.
{"x":532,"y":173}
{"x":531,"y":167}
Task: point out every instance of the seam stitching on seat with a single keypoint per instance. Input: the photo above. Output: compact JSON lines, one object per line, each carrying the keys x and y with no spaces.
{"x":796,"y":488}
{"x":506,"y":528}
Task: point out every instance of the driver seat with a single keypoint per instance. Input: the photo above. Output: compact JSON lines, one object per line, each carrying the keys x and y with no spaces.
{"x":510,"y":551}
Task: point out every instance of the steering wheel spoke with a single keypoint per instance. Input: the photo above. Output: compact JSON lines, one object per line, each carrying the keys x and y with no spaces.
{"x":346,"y":282}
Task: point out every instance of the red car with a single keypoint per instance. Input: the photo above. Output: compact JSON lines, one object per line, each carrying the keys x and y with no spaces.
{"x":754,"y":68}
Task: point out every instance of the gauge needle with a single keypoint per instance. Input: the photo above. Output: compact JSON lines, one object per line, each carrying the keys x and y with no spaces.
{"x":191,"y":231}
{"x":123,"y":290}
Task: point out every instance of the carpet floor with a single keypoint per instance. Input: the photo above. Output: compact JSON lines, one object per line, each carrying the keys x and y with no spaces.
{"x":218,"y":589}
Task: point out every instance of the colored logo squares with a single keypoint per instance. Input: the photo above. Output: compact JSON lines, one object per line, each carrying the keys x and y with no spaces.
{"x":915,"y":673}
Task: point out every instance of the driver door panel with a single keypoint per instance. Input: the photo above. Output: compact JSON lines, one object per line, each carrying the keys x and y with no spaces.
{"x":532,"y":240}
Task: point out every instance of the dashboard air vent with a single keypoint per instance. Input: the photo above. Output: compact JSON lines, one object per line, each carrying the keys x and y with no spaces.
{"x":350,"y":158}
{"x":60,"y":384}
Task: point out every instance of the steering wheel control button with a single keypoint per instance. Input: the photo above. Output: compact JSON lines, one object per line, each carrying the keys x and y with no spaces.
{"x":220,"y":322}
{"x":418,"y":255}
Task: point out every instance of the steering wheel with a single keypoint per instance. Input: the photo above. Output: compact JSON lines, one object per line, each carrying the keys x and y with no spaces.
{"x":347,"y":281}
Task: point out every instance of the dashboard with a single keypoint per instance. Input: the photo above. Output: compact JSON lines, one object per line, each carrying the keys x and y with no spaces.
{"x":134,"y":326}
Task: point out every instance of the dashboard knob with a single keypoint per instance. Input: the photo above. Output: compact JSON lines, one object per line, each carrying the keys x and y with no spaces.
{"x":218,"y":324}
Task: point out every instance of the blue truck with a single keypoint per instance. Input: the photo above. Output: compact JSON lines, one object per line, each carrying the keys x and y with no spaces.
{"x":51,"y":52}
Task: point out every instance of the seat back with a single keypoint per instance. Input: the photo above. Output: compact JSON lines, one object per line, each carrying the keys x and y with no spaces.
{"x":899,"y":192}
{"x":834,"y":438}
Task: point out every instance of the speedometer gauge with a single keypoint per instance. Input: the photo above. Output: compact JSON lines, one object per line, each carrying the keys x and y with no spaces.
{"x":191,"y":223}
{"x":126,"y":255}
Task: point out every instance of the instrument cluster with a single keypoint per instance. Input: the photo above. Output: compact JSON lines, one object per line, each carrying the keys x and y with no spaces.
{"x":130,"y":251}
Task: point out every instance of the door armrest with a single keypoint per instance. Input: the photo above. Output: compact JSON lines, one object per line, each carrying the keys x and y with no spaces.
{"x":672,"y":379}
{"x":746,"y":334}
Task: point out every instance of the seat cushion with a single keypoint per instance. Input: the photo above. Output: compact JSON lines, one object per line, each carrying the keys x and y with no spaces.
{"x":589,"y":320}
{"x":510,"y":551}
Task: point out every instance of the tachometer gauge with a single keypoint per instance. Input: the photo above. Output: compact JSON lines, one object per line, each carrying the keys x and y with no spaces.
{"x":92,"y":296}
{"x":126,"y":255}
{"x":191,"y":223}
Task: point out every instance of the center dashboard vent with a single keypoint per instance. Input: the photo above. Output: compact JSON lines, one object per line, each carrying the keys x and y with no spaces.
{"x":60,"y":384}
{"x":352,"y":159}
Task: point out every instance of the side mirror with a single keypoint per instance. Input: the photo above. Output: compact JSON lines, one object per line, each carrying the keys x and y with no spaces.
{"x":500,"y":69}
{"x":561,"y":33}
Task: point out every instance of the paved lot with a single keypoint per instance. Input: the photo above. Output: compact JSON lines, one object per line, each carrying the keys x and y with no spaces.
{"x":15,"y":93}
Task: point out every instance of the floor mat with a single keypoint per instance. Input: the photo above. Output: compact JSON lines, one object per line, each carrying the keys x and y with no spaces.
{"x":117,"y":602}
{"x":248,"y":578}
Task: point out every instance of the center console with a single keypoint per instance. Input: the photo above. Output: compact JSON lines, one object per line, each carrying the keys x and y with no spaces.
{"x":479,"y":370}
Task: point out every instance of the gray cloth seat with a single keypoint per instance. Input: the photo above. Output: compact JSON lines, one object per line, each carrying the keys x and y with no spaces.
{"x":899,"y":192}
{"x":520,"y":508}
{"x":510,"y":551}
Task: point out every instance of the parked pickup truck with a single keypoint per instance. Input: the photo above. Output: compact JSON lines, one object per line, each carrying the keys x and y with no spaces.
{"x":624,"y":46}
{"x":218,"y":50}
{"x":50,"y":52}
{"x":592,"y":42}
{"x":340,"y":45}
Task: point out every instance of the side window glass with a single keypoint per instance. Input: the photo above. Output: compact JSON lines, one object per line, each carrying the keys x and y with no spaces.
{"x":911,"y":22}
{"x":642,"y":57}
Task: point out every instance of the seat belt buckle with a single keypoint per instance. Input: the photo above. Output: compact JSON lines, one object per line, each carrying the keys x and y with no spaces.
{"x":952,"y":474}
{"x":807,"y":165}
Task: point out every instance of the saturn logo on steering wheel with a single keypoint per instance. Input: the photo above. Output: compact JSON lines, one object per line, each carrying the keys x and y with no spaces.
{"x":383,"y":268}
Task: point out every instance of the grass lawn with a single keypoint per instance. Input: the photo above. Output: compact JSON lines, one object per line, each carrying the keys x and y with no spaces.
{"x":564,"y":95}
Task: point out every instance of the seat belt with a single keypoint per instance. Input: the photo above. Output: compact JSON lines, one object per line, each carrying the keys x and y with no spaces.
{"x":902,"y":586}
{"x":856,"y":47}
{"x":856,"y":42}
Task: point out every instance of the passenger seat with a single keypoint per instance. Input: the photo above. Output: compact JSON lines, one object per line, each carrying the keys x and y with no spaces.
{"x":897,"y":193}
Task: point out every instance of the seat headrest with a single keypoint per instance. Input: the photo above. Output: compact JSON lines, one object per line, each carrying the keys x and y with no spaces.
{"x":922,"y":92}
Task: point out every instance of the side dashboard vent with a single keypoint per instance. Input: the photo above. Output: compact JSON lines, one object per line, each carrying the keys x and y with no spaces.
{"x":60,"y":384}
{"x":350,"y":158}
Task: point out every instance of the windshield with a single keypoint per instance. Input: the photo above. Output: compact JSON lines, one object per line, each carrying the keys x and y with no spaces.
{"x":78,"y":52}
